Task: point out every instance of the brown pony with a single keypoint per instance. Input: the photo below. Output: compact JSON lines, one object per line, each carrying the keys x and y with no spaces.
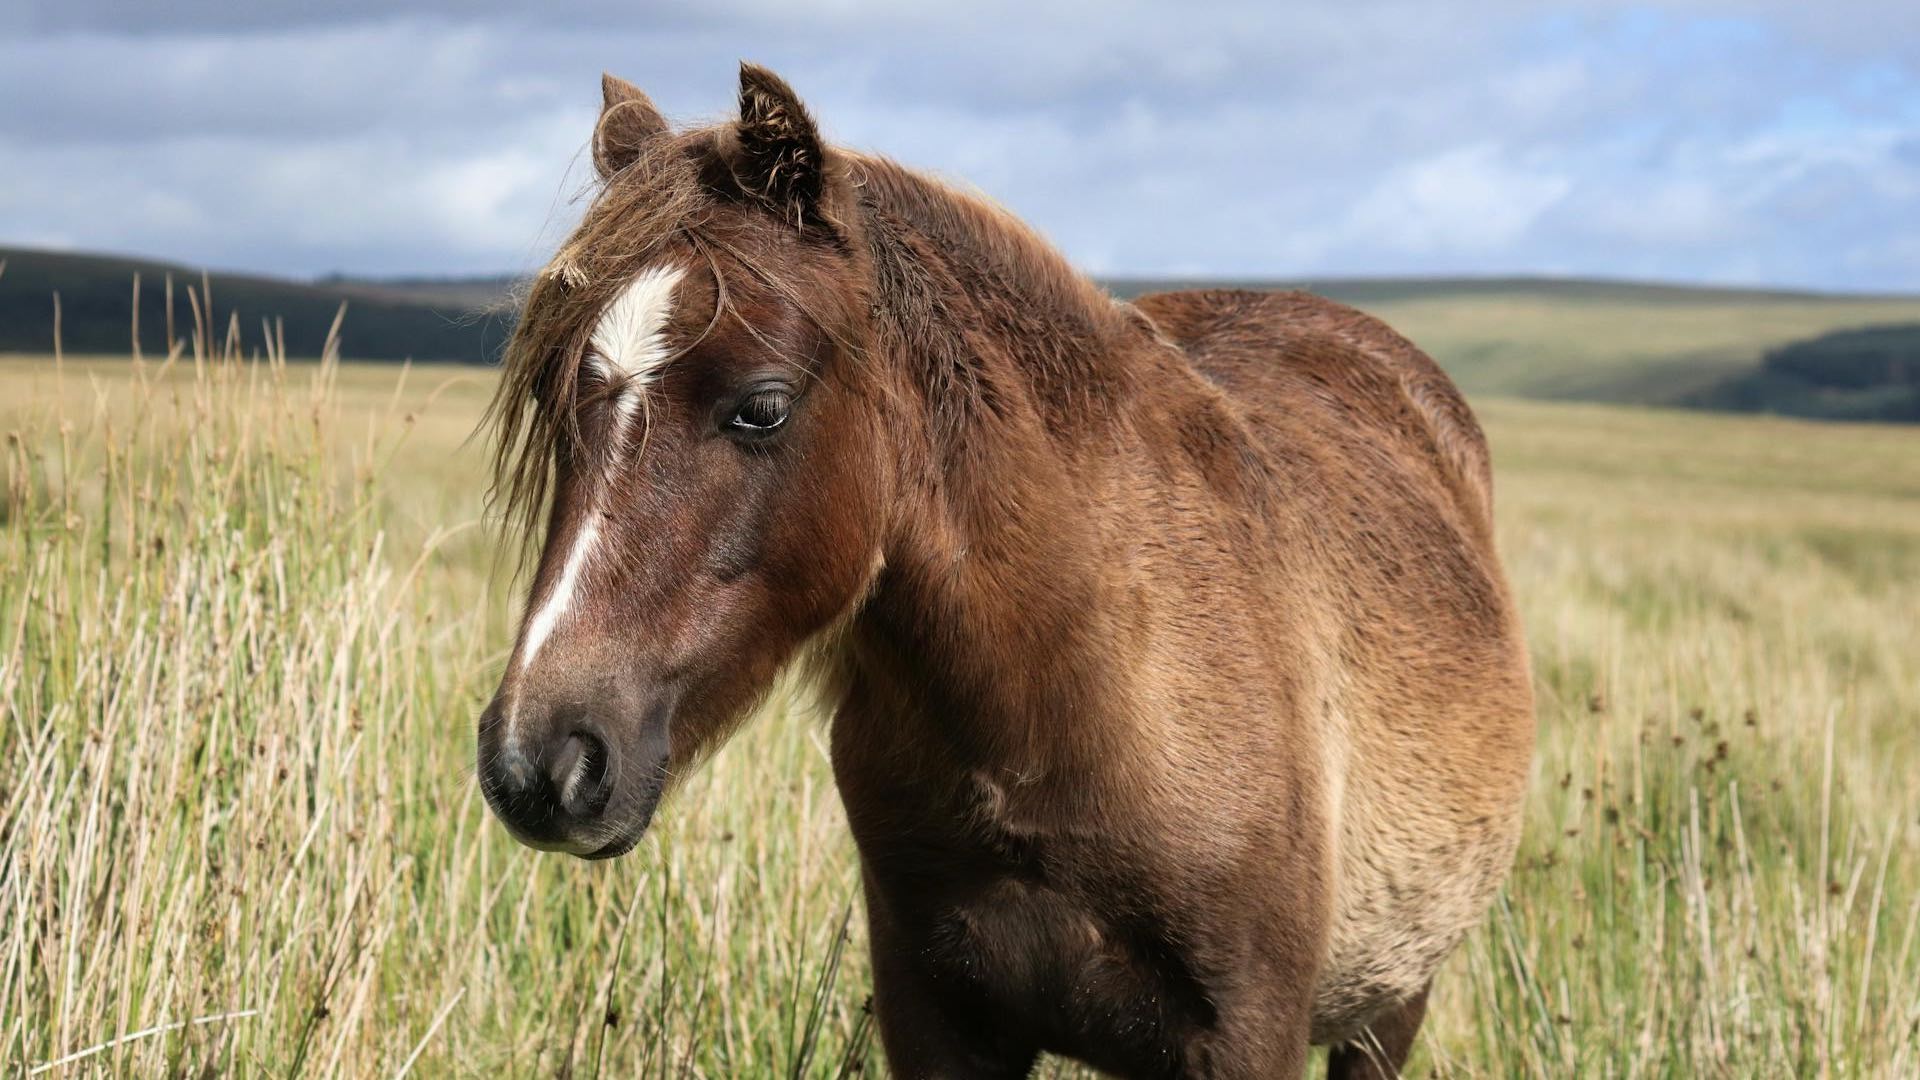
{"x":1179,"y":707}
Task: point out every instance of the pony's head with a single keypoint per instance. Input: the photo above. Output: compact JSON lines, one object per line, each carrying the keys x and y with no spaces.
{"x":682,"y":398}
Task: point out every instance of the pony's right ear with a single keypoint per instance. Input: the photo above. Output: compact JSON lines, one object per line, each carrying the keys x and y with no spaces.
{"x":781,"y":161}
{"x":628,"y":121}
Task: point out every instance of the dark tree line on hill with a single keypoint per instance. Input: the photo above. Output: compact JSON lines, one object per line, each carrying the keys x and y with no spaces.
{"x":1869,"y":373}
{"x":96,"y":311}
{"x":1872,"y":356}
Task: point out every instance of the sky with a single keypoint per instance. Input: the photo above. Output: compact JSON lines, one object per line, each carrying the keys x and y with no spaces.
{"x":1765,"y":142}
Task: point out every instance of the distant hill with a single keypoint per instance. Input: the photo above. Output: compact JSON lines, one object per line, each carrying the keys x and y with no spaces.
{"x":96,"y":302}
{"x":1533,"y":337}
{"x":1609,"y":341}
{"x":493,"y":294}
{"x":1536,"y":337}
{"x":1367,"y":291}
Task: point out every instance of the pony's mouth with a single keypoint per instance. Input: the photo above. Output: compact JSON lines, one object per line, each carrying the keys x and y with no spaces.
{"x":614,"y":849}
{"x":626,"y":838}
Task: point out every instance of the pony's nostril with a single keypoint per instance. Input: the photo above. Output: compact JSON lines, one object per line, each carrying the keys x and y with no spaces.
{"x":515,"y":787}
{"x":581,"y":774}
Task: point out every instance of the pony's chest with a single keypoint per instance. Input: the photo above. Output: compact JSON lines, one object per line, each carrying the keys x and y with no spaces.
{"x":1026,"y":922}
{"x":1036,"y":959}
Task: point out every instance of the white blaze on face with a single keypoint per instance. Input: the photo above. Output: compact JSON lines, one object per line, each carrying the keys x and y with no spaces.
{"x":630,"y":346}
{"x":630,"y":339}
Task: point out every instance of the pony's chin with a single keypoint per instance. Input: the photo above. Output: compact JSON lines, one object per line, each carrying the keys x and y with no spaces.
{"x":624,"y":839}
{"x":613,"y":849}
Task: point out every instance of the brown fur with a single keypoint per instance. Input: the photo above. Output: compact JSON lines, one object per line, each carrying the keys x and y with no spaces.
{"x":1181,"y":713}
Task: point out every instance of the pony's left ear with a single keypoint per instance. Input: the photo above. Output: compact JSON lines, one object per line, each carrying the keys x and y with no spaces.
{"x":781,"y":161}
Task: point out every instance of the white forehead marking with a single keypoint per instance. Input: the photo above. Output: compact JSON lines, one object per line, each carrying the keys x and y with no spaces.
{"x":543,"y":621}
{"x":629,"y":341}
{"x":631,"y":335}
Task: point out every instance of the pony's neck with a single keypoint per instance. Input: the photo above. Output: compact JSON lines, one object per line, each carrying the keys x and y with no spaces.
{"x":972,"y":236}
{"x":984,"y":313}
{"x":990,"y":626}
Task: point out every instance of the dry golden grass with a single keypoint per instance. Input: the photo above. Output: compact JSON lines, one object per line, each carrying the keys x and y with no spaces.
{"x":247,"y":617}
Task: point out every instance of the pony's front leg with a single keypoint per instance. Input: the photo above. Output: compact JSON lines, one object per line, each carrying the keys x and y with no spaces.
{"x":1256,"y":1045}
{"x":927,"y":1035}
{"x":1263,"y":1024}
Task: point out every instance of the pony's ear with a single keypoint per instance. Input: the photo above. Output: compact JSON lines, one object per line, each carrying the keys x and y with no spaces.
{"x":628,"y":122}
{"x":781,"y":161}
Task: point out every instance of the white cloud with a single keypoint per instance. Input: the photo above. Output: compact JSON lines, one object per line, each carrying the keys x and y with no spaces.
{"x":1468,"y":199}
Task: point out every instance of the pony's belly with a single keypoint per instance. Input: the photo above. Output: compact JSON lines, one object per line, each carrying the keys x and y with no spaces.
{"x":1408,"y":892}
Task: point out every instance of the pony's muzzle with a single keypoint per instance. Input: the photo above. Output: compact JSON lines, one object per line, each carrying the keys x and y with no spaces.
{"x":550,"y":788}
{"x":583,"y":774}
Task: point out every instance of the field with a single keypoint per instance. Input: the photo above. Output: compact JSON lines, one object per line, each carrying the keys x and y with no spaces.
{"x":249,"y":612}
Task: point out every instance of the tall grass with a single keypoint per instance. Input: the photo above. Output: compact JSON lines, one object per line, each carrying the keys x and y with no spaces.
{"x":237,"y":822}
{"x":247,"y":618}
{"x":1719,"y":875}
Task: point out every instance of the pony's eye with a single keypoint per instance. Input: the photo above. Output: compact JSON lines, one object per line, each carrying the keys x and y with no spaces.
{"x":761,"y":412}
